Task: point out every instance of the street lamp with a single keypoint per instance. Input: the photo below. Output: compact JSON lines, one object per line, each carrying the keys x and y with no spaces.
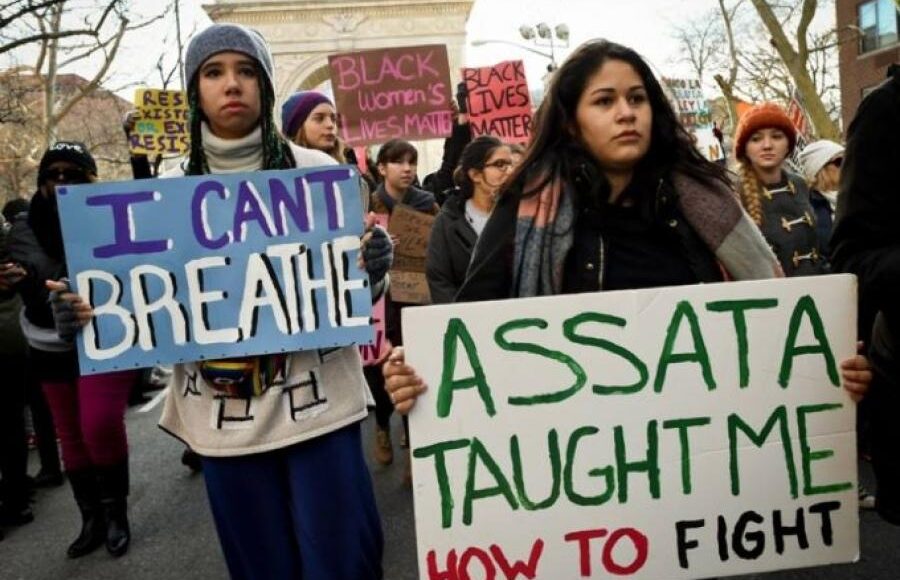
{"x":482,"y":42}
{"x":543,"y":35}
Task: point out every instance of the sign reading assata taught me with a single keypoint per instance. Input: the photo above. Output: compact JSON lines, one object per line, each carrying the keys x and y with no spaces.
{"x":688,"y":432}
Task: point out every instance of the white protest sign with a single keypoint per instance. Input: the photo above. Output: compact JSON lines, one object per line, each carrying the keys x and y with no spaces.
{"x":669,"y":433}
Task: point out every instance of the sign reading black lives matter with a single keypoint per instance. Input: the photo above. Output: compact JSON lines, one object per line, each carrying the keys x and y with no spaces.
{"x":216,"y":266}
{"x":498,"y":101}
{"x":670,"y":433}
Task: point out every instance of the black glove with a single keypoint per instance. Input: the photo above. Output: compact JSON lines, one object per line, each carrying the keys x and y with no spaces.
{"x":67,"y":325}
{"x":378,"y":254}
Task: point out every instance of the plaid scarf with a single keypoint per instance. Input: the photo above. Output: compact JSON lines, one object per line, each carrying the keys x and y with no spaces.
{"x":545,"y":234}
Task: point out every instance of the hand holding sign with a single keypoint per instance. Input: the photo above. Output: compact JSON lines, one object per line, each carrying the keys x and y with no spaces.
{"x":401,"y":381}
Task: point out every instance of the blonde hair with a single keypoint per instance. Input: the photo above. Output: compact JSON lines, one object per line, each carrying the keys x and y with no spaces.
{"x":822,"y":182}
{"x":750,"y":191}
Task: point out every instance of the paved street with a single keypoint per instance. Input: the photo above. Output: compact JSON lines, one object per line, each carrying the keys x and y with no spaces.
{"x":173,"y":536}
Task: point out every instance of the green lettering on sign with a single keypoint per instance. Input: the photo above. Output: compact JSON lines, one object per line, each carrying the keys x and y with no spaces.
{"x":684,"y":311}
{"x":807,"y":306}
{"x":529,"y":347}
{"x":478,"y":454}
{"x":738,"y":309}
{"x":807,"y":455}
{"x":440,"y":468}
{"x":650,"y":465}
{"x":683,"y":425}
{"x":519,"y":476}
{"x":570,"y":331}
{"x":778,"y":417}
{"x":604,"y":472}
{"x":456,"y":333}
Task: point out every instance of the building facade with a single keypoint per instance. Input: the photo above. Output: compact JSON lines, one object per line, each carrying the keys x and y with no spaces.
{"x":870,"y":34}
{"x":301,"y":35}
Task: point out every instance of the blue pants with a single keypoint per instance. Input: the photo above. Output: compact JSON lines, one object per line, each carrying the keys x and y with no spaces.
{"x":303,"y":512}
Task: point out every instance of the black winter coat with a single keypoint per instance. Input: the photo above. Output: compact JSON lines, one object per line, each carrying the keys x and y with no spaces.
{"x":489,"y":276}
{"x":866,"y":236}
{"x":26,"y":249}
{"x":449,"y":250}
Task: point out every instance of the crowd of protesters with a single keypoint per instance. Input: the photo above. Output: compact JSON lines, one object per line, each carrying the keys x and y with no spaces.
{"x":610,"y":194}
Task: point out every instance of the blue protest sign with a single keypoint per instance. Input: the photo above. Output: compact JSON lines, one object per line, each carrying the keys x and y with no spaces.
{"x":216,"y":266}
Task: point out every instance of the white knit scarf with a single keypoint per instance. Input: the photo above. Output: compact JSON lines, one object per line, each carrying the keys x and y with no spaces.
{"x":232,"y":155}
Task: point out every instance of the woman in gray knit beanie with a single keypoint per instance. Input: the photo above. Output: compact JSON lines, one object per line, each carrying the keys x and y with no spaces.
{"x":234,"y":112}
{"x":288,"y":486}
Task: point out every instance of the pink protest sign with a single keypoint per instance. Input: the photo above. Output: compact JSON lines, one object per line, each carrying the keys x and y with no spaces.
{"x":376,"y":352}
{"x":396,"y":92}
{"x":498,"y":101}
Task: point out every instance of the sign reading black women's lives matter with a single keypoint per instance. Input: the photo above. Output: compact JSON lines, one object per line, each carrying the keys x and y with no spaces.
{"x":392,"y":93}
{"x":216,"y":266}
{"x":668,"y":433}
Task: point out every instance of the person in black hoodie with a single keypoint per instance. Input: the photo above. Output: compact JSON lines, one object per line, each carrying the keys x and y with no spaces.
{"x":88,"y":411}
{"x":866,"y":242}
{"x":484,"y":167}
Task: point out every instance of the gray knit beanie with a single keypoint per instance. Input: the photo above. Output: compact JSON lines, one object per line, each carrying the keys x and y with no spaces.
{"x":227,"y":38}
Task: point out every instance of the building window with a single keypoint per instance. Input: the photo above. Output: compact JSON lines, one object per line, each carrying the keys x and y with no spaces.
{"x":878,"y":23}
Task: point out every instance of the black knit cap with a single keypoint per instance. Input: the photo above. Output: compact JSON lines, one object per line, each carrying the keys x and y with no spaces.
{"x":72,"y":151}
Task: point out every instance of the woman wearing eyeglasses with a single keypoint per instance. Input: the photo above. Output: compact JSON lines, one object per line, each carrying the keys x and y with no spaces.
{"x":484,"y":167}
{"x":821,"y":162}
{"x":88,"y":411}
{"x":776,"y":199}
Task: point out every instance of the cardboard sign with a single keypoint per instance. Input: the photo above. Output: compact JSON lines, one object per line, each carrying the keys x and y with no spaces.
{"x":161,"y":124}
{"x":374,"y":353}
{"x":671,"y":433}
{"x":391,"y":93}
{"x":413,"y":230}
{"x":216,"y":266}
{"x":498,"y":101}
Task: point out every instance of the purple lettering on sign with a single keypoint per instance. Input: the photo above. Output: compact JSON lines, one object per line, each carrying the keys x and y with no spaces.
{"x":250,"y":208}
{"x":199,"y":214}
{"x":123,"y":223}
{"x":297,"y":206}
{"x":328,"y":178}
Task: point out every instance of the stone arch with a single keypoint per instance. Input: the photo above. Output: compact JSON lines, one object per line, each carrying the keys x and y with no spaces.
{"x":314,"y":79}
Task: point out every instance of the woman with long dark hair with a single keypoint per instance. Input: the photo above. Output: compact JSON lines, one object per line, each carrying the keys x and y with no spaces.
{"x":611,"y":195}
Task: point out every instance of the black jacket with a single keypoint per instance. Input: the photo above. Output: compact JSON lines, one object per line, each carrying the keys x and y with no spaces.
{"x":34,"y":248}
{"x":866,"y":236}
{"x":449,"y":250}
{"x":489,"y":276}
{"x":441,"y":181}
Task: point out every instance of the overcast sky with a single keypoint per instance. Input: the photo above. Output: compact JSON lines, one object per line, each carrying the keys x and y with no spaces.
{"x":645,"y":25}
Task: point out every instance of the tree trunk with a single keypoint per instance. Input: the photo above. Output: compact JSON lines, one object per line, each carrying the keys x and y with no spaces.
{"x":730,"y":99}
{"x":795,"y":61}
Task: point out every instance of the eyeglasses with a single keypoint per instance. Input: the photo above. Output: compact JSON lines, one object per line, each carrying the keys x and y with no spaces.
{"x":837,"y":162}
{"x":65,"y":175}
{"x":501,"y":164}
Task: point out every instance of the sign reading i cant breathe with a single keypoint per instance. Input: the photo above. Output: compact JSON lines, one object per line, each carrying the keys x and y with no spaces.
{"x":216,"y":266}
{"x":668,"y":433}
